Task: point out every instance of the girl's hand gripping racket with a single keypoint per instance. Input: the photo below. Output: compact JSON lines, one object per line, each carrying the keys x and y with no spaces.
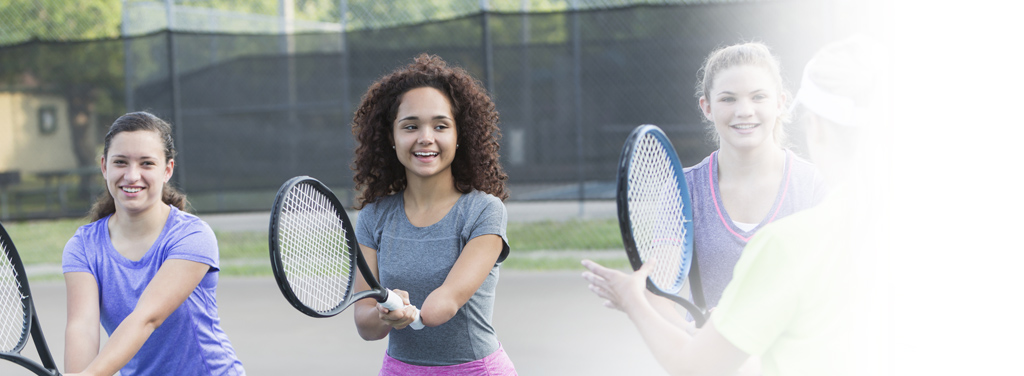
{"x":313,"y":249}
{"x":18,"y":313}
{"x":655,"y":216}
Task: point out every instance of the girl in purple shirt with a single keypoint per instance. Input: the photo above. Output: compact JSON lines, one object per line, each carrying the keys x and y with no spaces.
{"x":752,"y":179}
{"x":144,"y":269}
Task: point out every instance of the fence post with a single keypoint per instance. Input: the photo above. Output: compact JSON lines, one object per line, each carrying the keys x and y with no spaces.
{"x":346,"y":111}
{"x":179,"y":133}
{"x":488,"y":48}
{"x":129,"y":100}
{"x":577,"y":84}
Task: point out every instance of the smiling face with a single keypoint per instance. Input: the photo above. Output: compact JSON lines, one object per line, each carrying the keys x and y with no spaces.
{"x":136,"y":169}
{"x":744,"y":103}
{"x":424,"y":133}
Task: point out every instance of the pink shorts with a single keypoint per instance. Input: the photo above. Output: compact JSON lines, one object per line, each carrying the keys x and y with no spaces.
{"x":496,"y":364}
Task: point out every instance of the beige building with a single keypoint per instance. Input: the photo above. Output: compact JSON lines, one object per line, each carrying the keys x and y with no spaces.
{"x":34,"y":133}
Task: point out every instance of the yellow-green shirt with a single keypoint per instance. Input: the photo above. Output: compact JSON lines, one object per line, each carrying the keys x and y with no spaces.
{"x":794,"y":298}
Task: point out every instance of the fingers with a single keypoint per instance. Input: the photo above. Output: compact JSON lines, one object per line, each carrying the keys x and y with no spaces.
{"x":404,"y":294}
{"x":596,"y":270}
{"x":648,"y":267}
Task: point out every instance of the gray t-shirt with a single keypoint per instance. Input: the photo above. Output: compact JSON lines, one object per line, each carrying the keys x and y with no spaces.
{"x":418,"y":259}
{"x":717,"y":241}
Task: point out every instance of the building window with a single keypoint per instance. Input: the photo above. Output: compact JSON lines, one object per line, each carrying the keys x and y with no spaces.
{"x":47,"y":119}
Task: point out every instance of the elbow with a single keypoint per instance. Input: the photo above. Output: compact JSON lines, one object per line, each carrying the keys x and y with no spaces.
{"x":148,"y":322}
{"x":370,"y":335}
{"x":436,"y":315}
{"x":149,"y":325}
{"x":368,"y":325}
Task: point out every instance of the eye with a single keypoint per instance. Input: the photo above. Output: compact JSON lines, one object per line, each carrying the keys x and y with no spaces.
{"x":441,"y":126}
{"x":726,"y":99}
{"x":408,"y":126}
{"x":760,"y":97}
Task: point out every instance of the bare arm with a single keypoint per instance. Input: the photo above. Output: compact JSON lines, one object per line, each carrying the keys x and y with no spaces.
{"x":468,"y":273}
{"x":173,"y":283}
{"x":679,"y":352}
{"x":82,"y":336}
{"x":374,"y":322}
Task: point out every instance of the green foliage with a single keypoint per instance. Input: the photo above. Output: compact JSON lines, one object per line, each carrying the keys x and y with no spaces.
{"x":574,"y":234}
{"x":42,"y":242}
{"x":536,"y":246}
{"x":22,"y":20}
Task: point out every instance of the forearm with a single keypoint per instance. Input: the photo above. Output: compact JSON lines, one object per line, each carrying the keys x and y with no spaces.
{"x":81,"y":344}
{"x":123,"y":344}
{"x":669,"y":311}
{"x":368,"y":323}
{"x":665,"y":340}
{"x":439,"y":307}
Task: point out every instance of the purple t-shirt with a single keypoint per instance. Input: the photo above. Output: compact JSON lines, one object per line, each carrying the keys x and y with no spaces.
{"x":190,"y":341}
{"x":717,"y":240}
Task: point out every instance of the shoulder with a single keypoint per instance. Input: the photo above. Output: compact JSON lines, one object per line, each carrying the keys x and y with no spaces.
{"x":87,"y":234}
{"x":382,"y":205}
{"x":181,"y":225}
{"x":189,"y":221}
{"x":703,"y":165}
{"x":790,"y":234}
{"x":802,"y":167}
{"x":482,"y":201}
{"x":698,"y":171}
{"x":805,"y":176}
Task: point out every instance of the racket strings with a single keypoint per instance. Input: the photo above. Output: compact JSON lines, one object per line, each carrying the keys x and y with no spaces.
{"x":13,"y":314}
{"x":656,"y":213}
{"x":314,"y":252}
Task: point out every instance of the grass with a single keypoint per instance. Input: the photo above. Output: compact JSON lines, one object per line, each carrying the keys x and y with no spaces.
{"x":548,"y":245}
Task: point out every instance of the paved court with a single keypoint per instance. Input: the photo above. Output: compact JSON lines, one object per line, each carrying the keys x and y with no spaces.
{"x":548,"y":322}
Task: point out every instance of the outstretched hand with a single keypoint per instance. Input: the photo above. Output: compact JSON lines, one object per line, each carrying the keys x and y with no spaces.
{"x":620,"y":290}
{"x":398,"y":319}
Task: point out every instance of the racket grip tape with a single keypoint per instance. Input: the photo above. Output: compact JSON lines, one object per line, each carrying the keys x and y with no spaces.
{"x":393,"y":302}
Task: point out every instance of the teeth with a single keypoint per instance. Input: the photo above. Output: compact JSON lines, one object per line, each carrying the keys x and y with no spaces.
{"x":425,"y":154}
{"x":131,"y":190}
{"x":744,"y":126}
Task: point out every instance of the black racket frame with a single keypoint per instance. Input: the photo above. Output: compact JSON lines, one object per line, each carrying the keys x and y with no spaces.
{"x":48,"y":366}
{"x":355,"y":256}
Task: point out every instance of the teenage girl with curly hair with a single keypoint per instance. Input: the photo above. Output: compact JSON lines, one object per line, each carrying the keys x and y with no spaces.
{"x":432,"y":222}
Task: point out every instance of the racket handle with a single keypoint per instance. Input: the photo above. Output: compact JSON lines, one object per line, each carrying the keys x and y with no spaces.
{"x":393,"y":302}
{"x":417,"y":323}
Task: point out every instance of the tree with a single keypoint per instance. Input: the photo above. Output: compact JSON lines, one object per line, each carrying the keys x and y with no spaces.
{"x":88,"y":74}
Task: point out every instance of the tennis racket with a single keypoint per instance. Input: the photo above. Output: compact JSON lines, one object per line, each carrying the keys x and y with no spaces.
{"x":18,"y":314}
{"x":313,"y":250}
{"x":655,"y":216}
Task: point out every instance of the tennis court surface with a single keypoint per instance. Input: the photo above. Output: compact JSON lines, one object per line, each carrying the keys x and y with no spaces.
{"x":548,"y":322}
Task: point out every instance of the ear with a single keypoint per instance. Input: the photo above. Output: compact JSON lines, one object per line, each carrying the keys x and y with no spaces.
{"x":169,"y":171}
{"x":705,"y":107}
{"x":103,"y":166}
{"x":783,"y":99}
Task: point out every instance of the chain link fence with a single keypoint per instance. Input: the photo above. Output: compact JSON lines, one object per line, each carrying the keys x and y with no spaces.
{"x":264,"y":92}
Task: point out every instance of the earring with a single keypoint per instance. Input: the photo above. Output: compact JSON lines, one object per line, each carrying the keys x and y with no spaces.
{"x":392,"y":146}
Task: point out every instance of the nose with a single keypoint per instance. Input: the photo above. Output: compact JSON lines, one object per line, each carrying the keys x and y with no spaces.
{"x":744,"y":109}
{"x":131,"y":174}
{"x":426,"y":136}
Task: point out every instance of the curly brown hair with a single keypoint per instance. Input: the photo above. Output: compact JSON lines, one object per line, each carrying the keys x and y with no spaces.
{"x":379,"y":173}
